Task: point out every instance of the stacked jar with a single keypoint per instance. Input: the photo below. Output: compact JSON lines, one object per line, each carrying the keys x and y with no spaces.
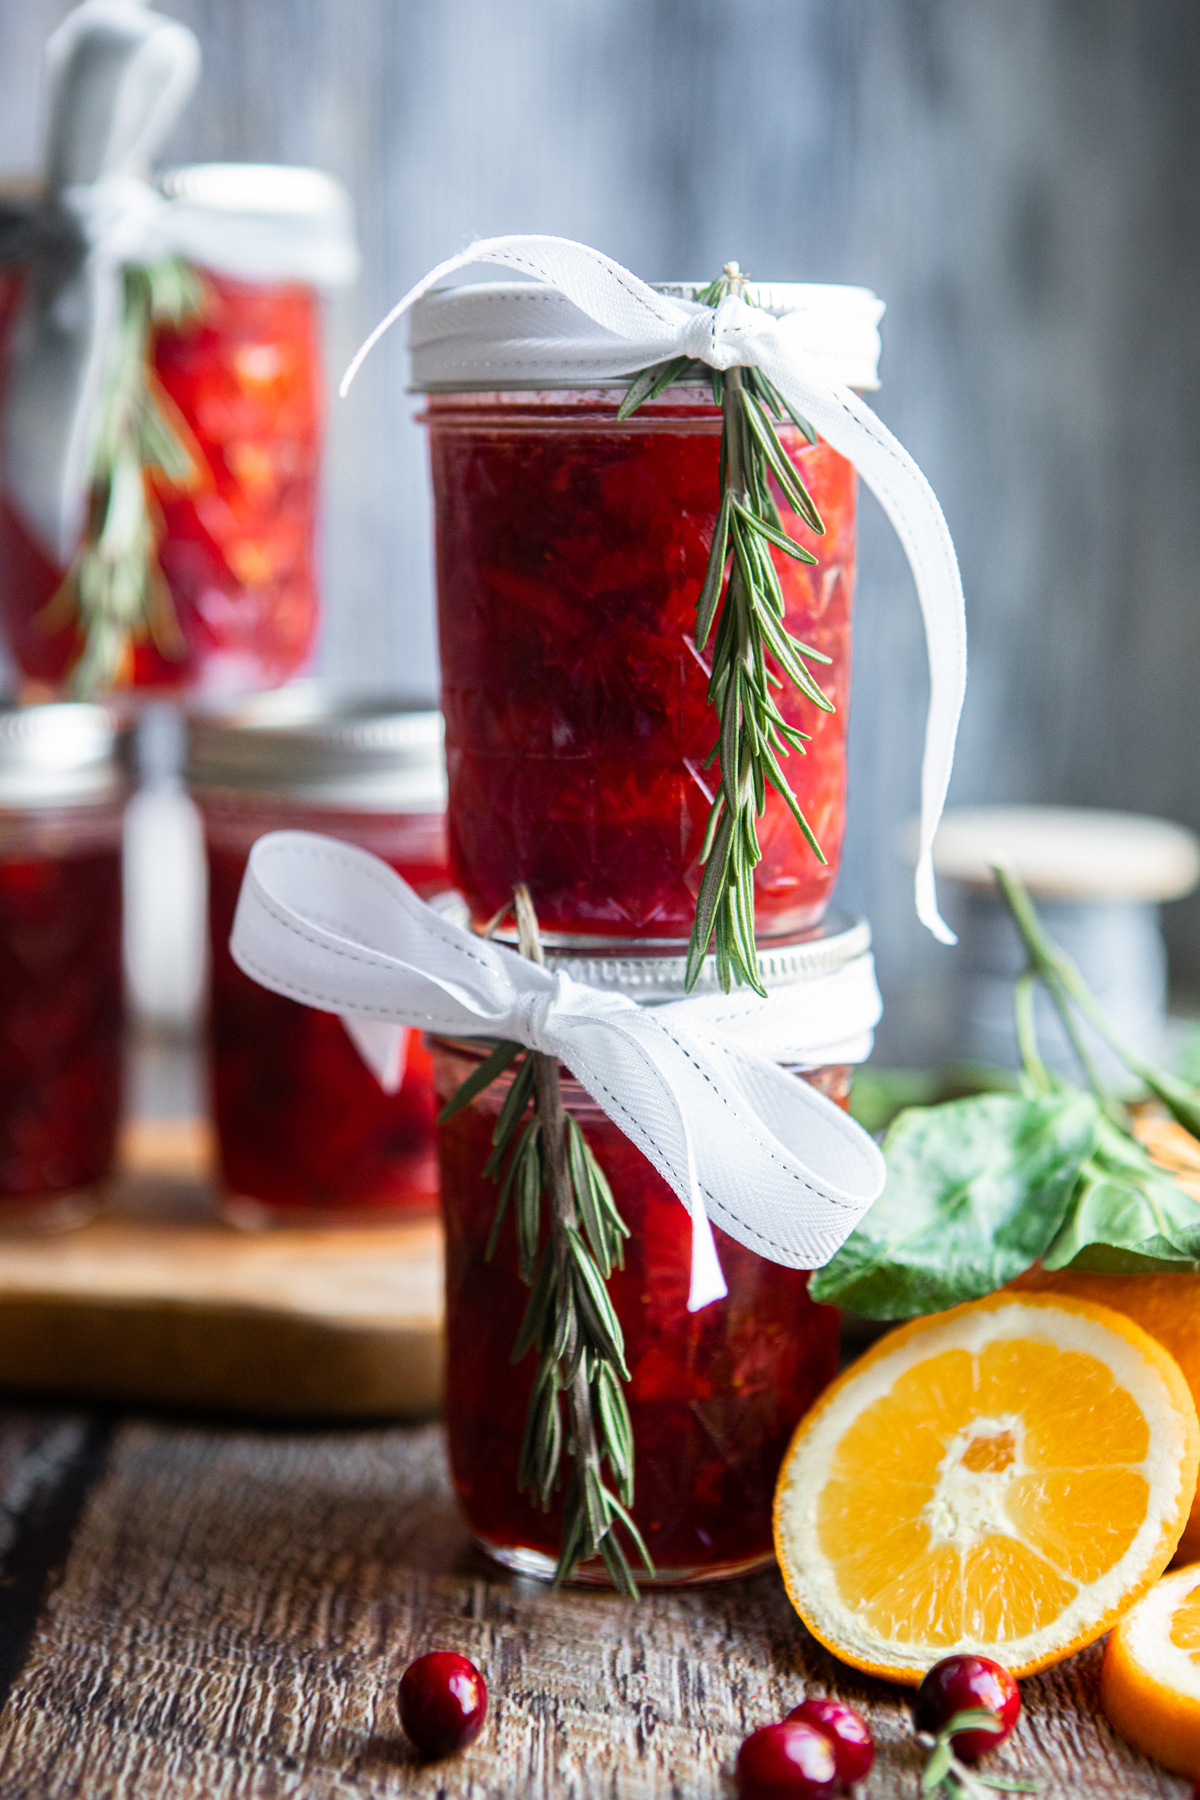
{"x":571,"y":549}
{"x":316,"y":1126}
{"x":232,"y":601}
{"x":63,"y":785}
{"x":713,"y":1395}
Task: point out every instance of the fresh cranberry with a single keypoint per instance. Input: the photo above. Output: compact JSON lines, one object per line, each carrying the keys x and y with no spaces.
{"x":958,"y":1684}
{"x":443,"y":1703}
{"x":792,"y":1761}
{"x":852,"y":1743}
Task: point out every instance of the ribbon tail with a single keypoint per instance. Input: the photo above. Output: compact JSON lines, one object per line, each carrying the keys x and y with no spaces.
{"x":849,"y":425}
{"x":707,"y":1279}
{"x":595,"y":283}
{"x":383,"y":1047}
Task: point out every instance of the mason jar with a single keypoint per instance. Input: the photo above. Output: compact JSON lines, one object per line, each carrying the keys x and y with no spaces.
{"x":308,"y":1132}
{"x":237,"y":604}
{"x":571,"y":548}
{"x":63,"y":786}
{"x":713,"y":1395}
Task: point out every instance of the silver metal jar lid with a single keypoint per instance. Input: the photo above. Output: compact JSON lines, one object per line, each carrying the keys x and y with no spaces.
{"x":65,"y":753}
{"x":836,"y":941}
{"x":661,"y":974}
{"x":309,"y":742}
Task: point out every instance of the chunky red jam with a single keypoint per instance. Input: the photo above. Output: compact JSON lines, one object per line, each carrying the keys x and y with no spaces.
{"x":60,"y":1021}
{"x":713,"y":1396}
{"x":570,"y":552}
{"x":243,"y":388}
{"x":304,"y":1128}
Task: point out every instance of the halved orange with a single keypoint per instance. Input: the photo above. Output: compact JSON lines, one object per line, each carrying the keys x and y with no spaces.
{"x":1005,"y":1478}
{"x":1150,"y":1677}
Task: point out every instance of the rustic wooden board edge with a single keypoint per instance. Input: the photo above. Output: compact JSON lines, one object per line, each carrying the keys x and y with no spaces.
{"x":213,"y":1357}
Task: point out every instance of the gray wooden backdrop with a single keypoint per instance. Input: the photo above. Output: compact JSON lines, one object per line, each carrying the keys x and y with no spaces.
{"x":1017,"y":178}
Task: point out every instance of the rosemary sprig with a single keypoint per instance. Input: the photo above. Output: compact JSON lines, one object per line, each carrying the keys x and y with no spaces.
{"x":538,"y":1151}
{"x":753,"y":651}
{"x":115,"y":587}
{"x":945,"y":1774}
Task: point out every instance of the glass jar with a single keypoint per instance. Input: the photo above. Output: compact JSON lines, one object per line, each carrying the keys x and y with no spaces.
{"x":713,"y":1395}
{"x":570,"y":552}
{"x":307,"y":1133}
{"x":242,"y":386}
{"x":62,"y":796}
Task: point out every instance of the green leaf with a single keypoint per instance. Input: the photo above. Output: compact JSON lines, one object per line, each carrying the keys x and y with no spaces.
{"x":1127,"y":1216}
{"x":536,"y":1308}
{"x":714,"y":575}
{"x":480,"y":1078}
{"x":1187,"y":1063}
{"x":976,"y":1191}
{"x":779,"y":538}
{"x":937,"y":1769}
{"x":595,"y":1305}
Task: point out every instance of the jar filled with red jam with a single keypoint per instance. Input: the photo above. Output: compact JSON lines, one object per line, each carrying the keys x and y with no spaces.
{"x":571,"y":548}
{"x":241,"y":384}
{"x":62,"y":796}
{"x":308,"y":1131}
{"x":713,"y":1395}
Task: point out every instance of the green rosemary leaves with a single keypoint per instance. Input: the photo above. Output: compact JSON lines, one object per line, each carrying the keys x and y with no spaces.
{"x":539,"y":1154}
{"x":115,"y":587}
{"x":753,"y":651}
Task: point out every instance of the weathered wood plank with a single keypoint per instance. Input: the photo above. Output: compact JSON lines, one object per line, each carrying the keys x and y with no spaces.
{"x":238,"y":1608}
{"x":48,"y":1461}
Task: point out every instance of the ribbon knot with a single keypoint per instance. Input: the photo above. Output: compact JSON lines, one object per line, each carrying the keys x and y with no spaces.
{"x":738,"y":1139}
{"x":533,"y":1014}
{"x":726,"y":335}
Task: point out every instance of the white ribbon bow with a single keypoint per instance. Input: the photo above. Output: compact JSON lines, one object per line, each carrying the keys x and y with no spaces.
{"x":119,"y":77}
{"x":644,"y":327}
{"x":771,"y":1161}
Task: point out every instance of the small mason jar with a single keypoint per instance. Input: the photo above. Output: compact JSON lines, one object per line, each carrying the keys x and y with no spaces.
{"x":307,"y":1131}
{"x":242,"y":384}
{"x":571,"y":548}
{"x":63,"y":786}
{"x":713,"y":1395}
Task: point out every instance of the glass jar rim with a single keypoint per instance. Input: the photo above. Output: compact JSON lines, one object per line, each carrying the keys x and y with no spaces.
{"x":653,"y":971}
{"x":61,"y":753}
{"x":315,"y":742}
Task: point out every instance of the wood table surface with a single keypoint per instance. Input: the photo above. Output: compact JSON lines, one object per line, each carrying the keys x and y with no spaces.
{"x":210,"y":1607}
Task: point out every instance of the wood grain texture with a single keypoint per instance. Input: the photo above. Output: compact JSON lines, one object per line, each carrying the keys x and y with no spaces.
{"x":159,"y":1302}
{"x":239,"y":1606}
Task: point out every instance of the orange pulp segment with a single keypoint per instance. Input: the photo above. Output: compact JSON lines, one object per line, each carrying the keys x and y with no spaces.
{"x":1004,"y":1478}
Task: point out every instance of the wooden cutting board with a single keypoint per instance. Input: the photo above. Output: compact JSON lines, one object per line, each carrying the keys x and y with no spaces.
{"x":157,"y":1301}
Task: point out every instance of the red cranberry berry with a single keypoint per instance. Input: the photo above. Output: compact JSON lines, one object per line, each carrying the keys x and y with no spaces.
{"x":960,"y":1684}
{"x":443,"y":1703}
{"x":792,"y":1761}
{"x":847,"y":1731}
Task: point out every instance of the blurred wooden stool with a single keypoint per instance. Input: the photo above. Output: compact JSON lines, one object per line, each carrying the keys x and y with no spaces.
{"x":1098,"y":879}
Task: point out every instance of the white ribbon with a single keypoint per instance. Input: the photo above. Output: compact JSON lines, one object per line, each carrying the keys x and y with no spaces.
{"x":802,"y":354}
{"x":741,"y":1142}
{"x":119,"y":77}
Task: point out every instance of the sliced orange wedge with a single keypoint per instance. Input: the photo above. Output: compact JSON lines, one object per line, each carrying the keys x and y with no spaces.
{"x":1005,"y":1478}
{"x":1150,"y":1677}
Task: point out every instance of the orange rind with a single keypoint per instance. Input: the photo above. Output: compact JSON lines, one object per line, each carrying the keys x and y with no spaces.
{"x":1150,"y":1677}
{"x":1004,"y":1479}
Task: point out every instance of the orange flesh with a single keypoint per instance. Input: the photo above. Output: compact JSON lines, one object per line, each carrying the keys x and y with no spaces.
{"x":921,"y":1550}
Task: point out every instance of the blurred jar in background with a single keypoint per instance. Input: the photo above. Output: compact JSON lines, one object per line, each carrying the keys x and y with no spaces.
{"x":62,"y":796}
{"x":307,"y":1133}
{"x":232,"y":595}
